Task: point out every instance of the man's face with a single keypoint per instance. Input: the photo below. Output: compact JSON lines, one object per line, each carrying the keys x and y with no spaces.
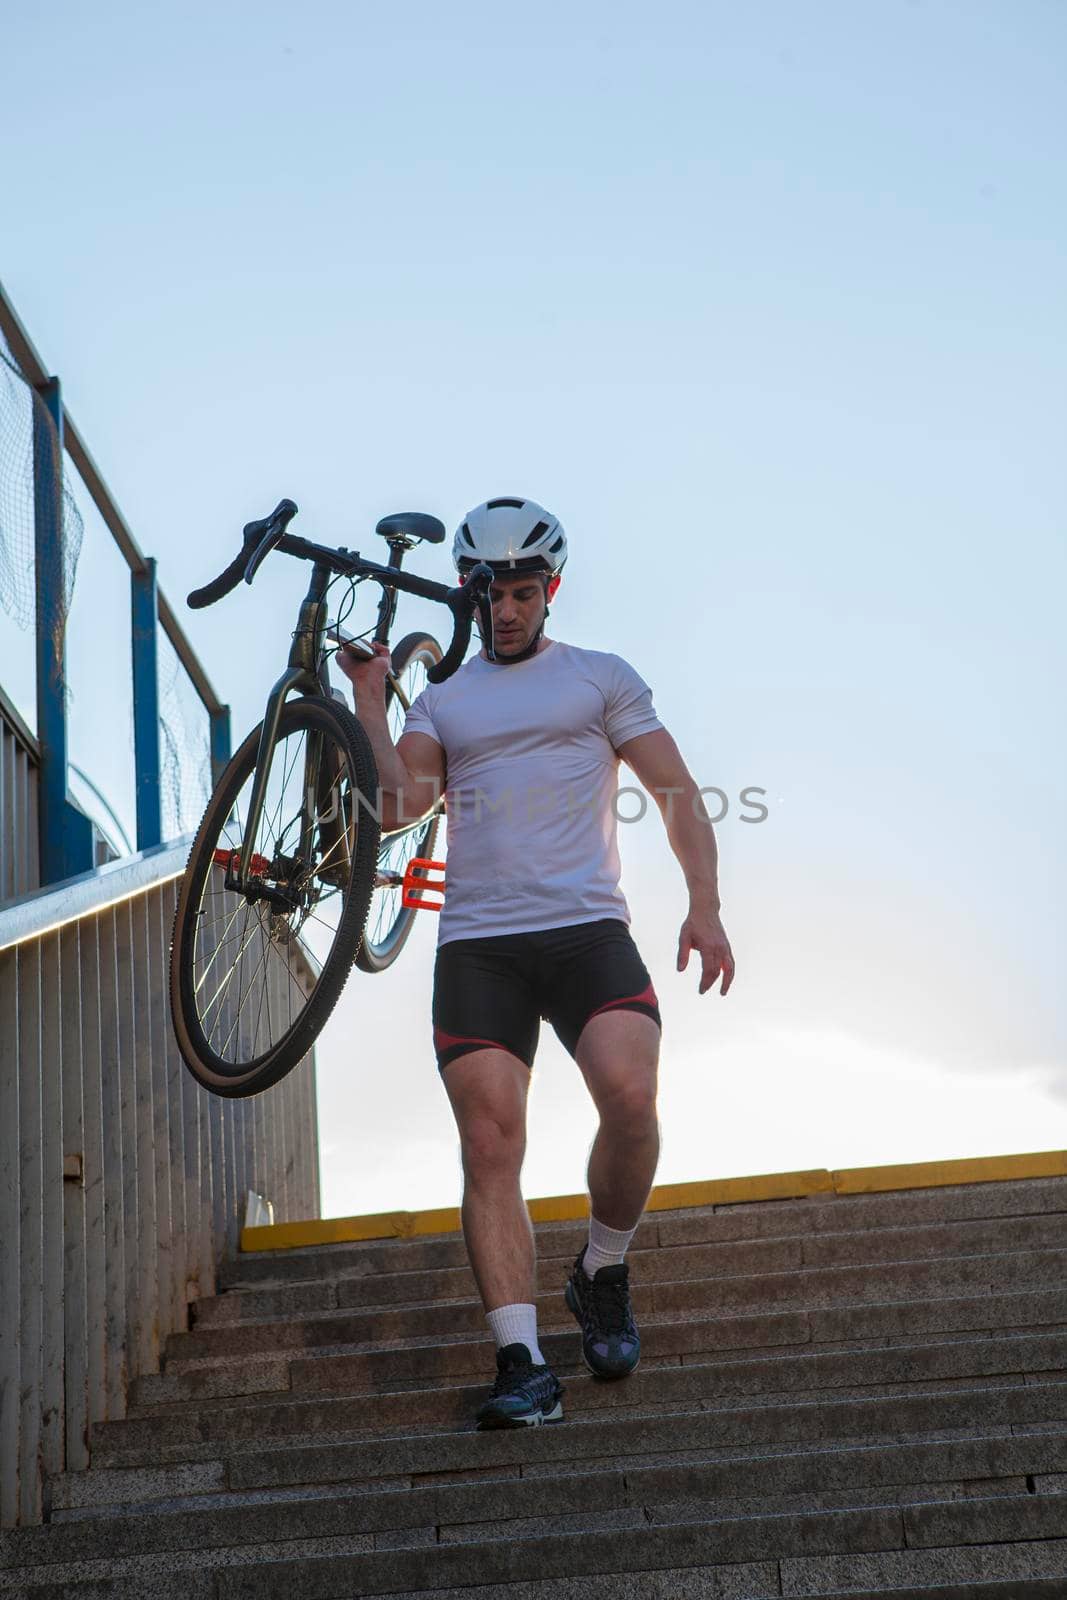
{"x":518,"y":609}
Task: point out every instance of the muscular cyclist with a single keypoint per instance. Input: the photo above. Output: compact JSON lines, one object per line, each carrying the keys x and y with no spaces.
{"x":525,"y":742}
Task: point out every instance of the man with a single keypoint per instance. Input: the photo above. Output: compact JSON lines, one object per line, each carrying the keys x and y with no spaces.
{"x":525,"y":741}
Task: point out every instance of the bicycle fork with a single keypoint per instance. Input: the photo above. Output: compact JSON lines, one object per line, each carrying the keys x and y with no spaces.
{"x":250,"y":864}
{"x":301,"y":676}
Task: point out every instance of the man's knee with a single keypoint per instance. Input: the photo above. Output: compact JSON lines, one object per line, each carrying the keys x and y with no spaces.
{"x":487,"y":1089}
{"x":622,"y":1076}
{"x":628,"y":1105}
{"x":492,"y":1147}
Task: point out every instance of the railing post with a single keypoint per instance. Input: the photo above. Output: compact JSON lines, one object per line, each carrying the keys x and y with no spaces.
{"x":220,"y":741}
{"x":66,"y":834}
{"x":144,"y":604}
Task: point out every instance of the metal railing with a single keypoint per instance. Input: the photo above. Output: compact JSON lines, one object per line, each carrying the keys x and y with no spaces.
{"x":122,"y":1182}
{"x":66,"y":845}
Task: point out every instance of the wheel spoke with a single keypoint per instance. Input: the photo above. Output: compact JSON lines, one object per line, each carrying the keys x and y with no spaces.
{"x":287,"y":768}
{"x":246,"y":939}
{"x":218,"y":947}
{"x":240,"y":1000}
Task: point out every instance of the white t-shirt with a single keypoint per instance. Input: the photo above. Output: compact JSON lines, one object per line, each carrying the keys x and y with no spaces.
{"x":532,"y":773}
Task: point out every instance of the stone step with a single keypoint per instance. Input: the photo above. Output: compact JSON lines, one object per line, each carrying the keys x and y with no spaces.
{"x":157,"y":1583}
{"x":670,"y":1383}
{"x":472,"y":1514}
{"x":645,"y":1396}
{"x":745,"y":1539}
{"x":741,"y":1258}
{"x":652,"y":1441}
{"x":752,"y":1581}
{"x":394,"y":1281}
{"x":697,"y":1225}
{"x":756,"y":1582}
{"x":796,"y":1289}
{"x":102,"y":1488}
{"x":801,"y":1544}
{"x":168,"y":1437}
{"x":333,"y":1331}
{"x":521,"y":1508}
{"x":698,"y":1474}
{"x":958,"y":1573}
{"x":966,"y":1589}
{"x":971,"y":1462}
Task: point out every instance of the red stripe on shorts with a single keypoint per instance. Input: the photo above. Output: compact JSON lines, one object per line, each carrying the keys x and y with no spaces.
{"x":445,"y":1041}
{"x":647,"y":997}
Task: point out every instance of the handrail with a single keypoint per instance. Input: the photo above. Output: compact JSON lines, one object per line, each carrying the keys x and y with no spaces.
{"x":58,"y":903}
{"x":34,"y":370}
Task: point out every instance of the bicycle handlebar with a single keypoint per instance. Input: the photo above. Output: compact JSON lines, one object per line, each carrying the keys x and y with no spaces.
{"x":462,"y":603}
{"x":270,"y":532}
{"x":258,"y":536}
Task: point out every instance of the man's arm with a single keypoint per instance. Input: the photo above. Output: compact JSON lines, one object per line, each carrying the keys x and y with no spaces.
{"x":411,"y":773}
{"x":657,"y":762}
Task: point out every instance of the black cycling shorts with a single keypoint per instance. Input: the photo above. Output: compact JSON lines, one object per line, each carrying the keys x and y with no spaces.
{"x":494,"y":991}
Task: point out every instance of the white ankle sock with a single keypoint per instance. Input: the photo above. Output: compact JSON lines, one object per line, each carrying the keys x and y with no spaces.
{"x":516,"y":1325}
{"x":607,"y":1247}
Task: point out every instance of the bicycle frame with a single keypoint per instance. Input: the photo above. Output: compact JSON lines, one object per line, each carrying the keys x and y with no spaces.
{"x":303,"y":675}
{"x":307,"y":674}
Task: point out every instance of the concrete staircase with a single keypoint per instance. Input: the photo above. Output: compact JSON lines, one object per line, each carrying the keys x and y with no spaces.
{"x":840,"y":1396}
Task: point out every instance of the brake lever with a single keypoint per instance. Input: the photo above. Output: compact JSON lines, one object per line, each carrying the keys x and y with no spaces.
{"x":262,"y":551}
{"x":276,"y":525}
{"x":478,"y":581}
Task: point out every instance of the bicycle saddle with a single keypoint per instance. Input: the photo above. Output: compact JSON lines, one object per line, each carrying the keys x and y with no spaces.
{"x":412,"y":525}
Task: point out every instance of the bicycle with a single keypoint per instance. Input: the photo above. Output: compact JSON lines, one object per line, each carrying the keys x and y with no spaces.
{"x":289,"y":852}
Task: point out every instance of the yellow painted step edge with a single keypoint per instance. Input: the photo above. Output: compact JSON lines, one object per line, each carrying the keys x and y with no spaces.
{"x":672,"y":1196}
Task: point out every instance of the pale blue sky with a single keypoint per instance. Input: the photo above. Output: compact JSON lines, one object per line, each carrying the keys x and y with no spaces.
{"x":767,"y":304}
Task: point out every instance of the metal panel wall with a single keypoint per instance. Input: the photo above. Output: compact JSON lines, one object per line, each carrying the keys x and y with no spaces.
{"x":122,"y":1182}
{"x":19,"y":872}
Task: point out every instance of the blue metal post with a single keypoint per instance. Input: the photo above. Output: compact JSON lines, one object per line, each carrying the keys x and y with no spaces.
{"x":144,"y":605}
{"x":220,"y":741}
{"x":66,"y":834}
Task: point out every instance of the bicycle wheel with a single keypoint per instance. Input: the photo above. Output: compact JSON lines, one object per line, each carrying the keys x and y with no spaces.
{"x":390,"y":923}
{"x":254,"y":976}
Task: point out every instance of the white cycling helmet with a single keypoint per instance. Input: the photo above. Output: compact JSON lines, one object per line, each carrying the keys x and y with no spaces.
{"x":512,"y":536}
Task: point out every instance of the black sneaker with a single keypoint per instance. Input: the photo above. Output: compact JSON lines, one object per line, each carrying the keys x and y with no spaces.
{"x":611,"y":1344}
{"x":523,"y":1396}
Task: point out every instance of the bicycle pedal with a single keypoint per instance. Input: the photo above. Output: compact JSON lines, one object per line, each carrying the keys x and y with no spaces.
{"x":418,"y":883}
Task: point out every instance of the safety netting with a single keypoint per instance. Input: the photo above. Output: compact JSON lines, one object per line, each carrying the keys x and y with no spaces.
{"x":184,"y":746}
{"x":30,"y":444}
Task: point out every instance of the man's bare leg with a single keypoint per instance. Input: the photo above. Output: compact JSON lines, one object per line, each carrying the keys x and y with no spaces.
{"x":618,"y":1054}
{"x":488,"y":1090}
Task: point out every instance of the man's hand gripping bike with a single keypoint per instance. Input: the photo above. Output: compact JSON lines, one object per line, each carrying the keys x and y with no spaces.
{"x":289,"y":879}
